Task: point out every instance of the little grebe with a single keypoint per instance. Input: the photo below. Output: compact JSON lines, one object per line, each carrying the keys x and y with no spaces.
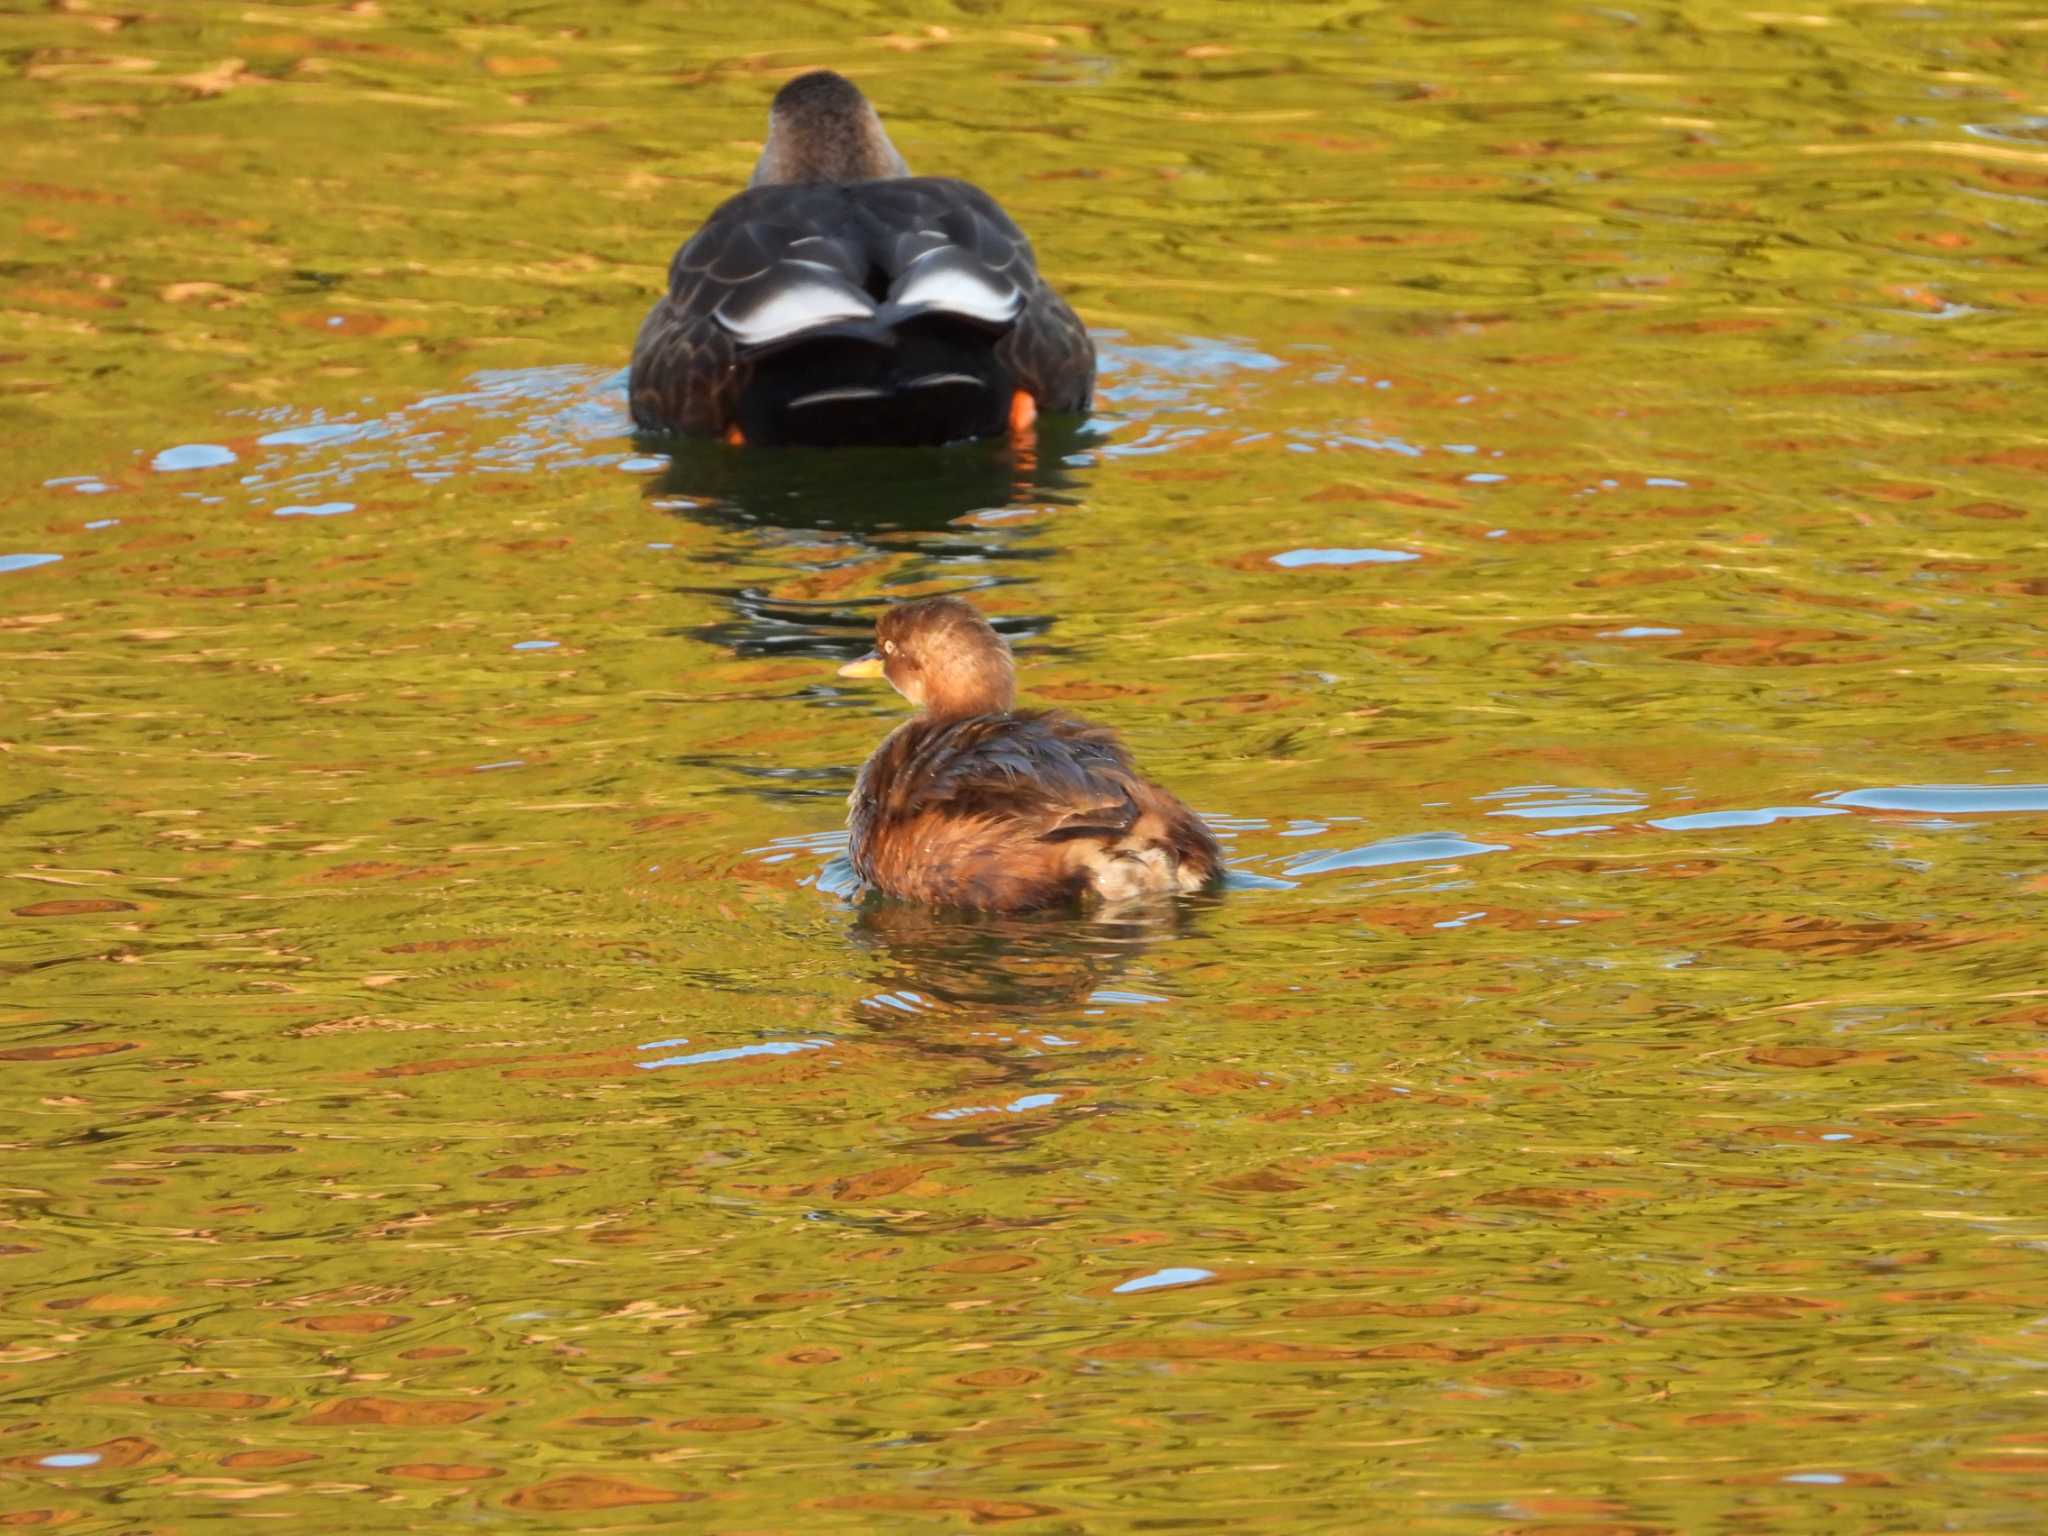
{"x":839,"y":299}
{"x":976,"y":804}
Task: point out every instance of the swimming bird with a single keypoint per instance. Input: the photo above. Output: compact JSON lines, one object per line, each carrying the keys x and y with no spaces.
{"x":974,"y":803}
{"x":840,"y":299}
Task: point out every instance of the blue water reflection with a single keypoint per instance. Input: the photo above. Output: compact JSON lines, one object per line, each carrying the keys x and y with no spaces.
{"x":1416,"y":848}
{"x":1711,"y":821}
{"x":1015,"y":1107}
{"x":192,"y":456}
{"x":1946,"y":799}
{"x":730,"y":1053}
{"x":1298,"y":557}
{"x":1545,"y":801}
{"x":1160,"y":1279}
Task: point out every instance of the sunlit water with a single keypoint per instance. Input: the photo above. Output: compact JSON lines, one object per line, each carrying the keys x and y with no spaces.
{"x":1566,"y":505}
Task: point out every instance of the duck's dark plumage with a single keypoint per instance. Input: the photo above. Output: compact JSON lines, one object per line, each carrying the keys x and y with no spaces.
{"x":1005,"y":810}
{"x":841,"y":300}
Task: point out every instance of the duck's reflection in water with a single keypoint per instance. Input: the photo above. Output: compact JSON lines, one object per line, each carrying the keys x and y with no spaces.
{"x":1010,"y":1003}
{"x":863,"y":491}
{"x":798,"y":520}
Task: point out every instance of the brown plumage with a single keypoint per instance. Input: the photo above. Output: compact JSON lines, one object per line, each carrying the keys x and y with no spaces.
{"x":976,"y":804}
{"x":840,"y":299}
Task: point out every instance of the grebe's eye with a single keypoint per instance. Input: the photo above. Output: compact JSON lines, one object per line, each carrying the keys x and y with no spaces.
{"x":888,"y":647}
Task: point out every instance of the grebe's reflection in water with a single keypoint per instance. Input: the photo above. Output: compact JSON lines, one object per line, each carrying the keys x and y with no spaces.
{"x":1014,"y":1005}
{"x":1024,"y":968}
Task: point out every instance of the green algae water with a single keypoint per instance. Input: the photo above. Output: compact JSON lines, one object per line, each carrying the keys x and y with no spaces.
{"x":1567,"y":503}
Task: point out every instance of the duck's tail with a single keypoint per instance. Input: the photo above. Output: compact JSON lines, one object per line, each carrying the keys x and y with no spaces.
{"x":830,"y":364}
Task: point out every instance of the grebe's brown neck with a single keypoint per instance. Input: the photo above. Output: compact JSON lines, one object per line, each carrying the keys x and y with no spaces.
{"x":957,"y":686}
{"x":822,"y":130}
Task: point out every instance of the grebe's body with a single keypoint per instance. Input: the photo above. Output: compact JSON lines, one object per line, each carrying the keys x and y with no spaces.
{"x":976,"y":804}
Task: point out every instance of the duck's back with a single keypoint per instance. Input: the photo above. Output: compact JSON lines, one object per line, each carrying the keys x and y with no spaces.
{"x":1013,"y":811}
{"x":903,"y":310}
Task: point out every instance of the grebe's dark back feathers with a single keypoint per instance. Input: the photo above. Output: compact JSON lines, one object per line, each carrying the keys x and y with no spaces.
{"x":1007,"y":812}
{"x":1025,"y":762}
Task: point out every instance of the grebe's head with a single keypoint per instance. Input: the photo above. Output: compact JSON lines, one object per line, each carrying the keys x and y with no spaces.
{"x":941,"y":654}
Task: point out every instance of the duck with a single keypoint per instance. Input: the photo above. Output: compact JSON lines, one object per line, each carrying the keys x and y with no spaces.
{"x":976,"y":804}
{"x":841,"y":300}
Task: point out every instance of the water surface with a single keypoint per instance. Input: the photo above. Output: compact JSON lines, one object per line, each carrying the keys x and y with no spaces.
{"x":1566,"y":504}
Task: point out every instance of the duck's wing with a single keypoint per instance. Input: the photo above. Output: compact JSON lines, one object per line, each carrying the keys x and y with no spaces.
{"x":1046,"y":349}
{"x":766,"y":263}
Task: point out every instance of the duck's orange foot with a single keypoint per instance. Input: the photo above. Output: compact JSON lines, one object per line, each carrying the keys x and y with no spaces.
{"x":735,"y":436}
{"x":1023,"y":440}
